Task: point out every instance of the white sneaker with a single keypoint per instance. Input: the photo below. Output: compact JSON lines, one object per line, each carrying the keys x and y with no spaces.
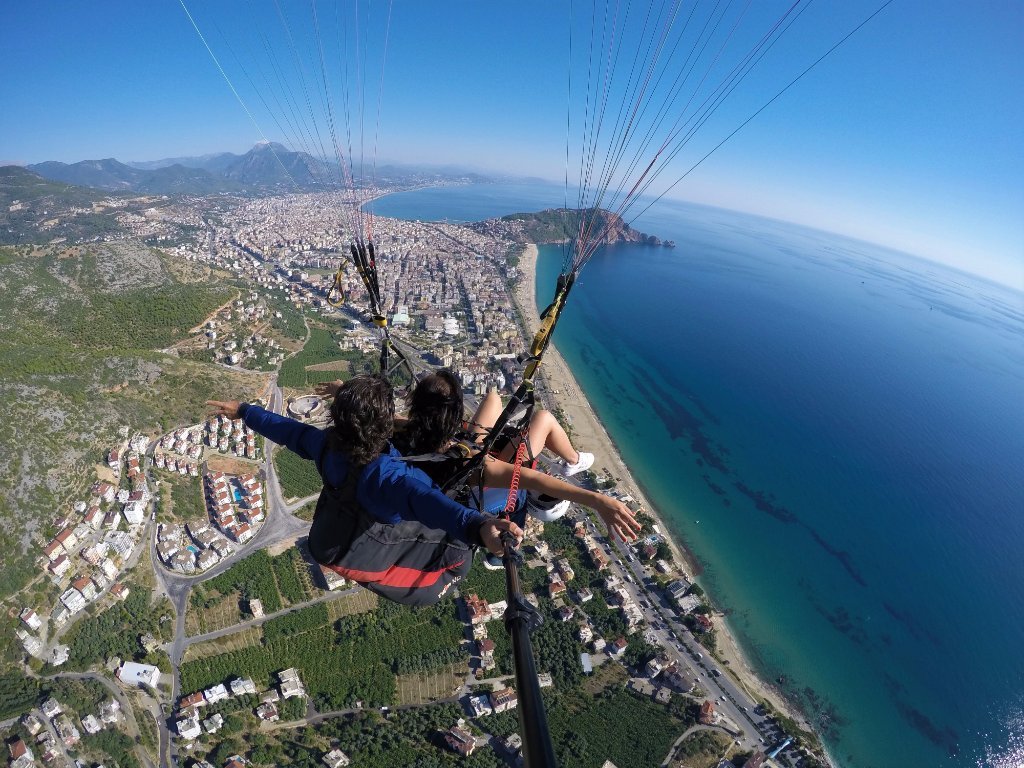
{"x":545,"y":508}
{"x":585,"y":462}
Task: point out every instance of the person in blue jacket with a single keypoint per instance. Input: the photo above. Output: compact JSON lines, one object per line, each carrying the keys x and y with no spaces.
{"x":378,"y":521}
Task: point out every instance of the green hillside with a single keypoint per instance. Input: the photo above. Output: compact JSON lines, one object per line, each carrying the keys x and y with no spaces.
{"x":80,"y":332}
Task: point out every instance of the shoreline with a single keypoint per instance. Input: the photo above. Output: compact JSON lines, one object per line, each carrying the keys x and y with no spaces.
{"x":590,"y":435}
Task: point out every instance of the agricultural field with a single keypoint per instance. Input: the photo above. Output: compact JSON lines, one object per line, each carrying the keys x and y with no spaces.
{"x":587,"y":731}
{"x":298,"y":476}
{"x":423,"y":687}
{"x":356,"y":657}
{"x":277,"y":581}
{"x":305,"y":369}
{"x":245,"y":638}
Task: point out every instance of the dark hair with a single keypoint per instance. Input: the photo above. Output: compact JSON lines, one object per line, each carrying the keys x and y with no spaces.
{"x":435,"y":412}
{"x":363,"y":413}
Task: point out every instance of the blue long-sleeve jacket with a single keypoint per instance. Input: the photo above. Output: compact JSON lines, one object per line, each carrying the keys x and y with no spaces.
{"x":389,"y":489}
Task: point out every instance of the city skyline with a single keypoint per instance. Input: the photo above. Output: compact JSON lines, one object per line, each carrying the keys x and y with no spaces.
{"x":904,"y":136}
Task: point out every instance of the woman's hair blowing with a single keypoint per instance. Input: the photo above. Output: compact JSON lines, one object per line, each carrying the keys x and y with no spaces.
{"x":363,"y":413}
{"x":435,"y":412}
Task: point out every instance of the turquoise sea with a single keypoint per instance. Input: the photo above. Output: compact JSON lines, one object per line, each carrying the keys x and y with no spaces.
{"x":836,"y":432}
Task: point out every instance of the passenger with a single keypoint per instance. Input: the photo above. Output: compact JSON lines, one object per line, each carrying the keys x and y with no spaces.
{"x":435,"y":417}
{"x":379,"y":521}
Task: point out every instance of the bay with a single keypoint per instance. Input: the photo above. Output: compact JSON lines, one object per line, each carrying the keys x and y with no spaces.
{"x":836,"y":431}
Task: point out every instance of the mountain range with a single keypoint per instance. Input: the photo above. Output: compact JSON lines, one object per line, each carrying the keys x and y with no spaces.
{"x":267,"y":167}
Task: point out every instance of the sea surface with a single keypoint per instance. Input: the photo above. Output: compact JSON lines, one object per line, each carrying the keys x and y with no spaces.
{"x":836,"y":432}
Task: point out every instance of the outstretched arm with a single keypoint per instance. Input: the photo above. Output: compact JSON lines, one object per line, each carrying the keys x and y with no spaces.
{"x":616,"y":515}
{"x":303,"y":439}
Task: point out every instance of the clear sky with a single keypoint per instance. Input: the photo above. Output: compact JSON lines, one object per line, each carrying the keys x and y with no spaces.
{"x":909,"y":135}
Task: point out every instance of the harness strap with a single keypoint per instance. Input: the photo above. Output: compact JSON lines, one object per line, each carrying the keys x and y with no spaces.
{"x":513,"y":486}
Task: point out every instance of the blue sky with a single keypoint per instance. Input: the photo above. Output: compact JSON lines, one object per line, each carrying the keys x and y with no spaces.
{"x":909,"y":135}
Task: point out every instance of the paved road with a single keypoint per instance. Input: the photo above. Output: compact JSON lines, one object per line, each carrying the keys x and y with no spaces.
{"x":326,"y":597}
{"x":117,"y":693}
{"x":730,"y":700}
{"x":280,"y":525}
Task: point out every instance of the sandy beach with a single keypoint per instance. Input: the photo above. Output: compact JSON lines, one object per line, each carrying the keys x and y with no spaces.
{"x":590,"y":435}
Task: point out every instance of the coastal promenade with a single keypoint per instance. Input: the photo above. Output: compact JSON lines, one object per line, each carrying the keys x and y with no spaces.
{"x":590,"y":435}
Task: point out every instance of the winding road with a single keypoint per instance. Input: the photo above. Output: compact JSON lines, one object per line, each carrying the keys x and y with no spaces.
{"x":280,"y":525}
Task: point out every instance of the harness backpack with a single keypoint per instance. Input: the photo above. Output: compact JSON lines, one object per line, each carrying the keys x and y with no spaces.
{"x":406,"y":562}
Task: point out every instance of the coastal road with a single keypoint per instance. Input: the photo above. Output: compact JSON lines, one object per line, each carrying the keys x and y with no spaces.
{"x":730,"y":700}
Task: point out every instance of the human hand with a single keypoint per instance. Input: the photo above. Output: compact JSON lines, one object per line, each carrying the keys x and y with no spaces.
{"x":227,"y":408}
{"x":491,"y":531}
{"x":619,"y":519}
{"x":329,"y":388}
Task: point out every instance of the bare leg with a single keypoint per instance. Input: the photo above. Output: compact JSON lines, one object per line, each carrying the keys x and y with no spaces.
{"x":546,"y":432}
{"x":486,"y":415}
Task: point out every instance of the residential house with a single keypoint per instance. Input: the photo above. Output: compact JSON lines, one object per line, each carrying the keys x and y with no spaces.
{"x":109,"y":712}
{"x":267,"y":711}
{"x":120,"y":591}
{"x":139,"y":675}
{"x":31,"y":619}
{"x":66,"y":731}
{"x":21,"y":755}
{"x":60,"y":566}
{"x":477,"y":609}
{"x":67,"y":539}
{"x":73,"y":600}
{"x":504,"y":699}
{"x":707,"y":713}
{"x":335,"y":759}
{"x":188,"y":726}
{"x":91,"y":724}
{"x":678,"y":588}
{"x":31,"y":723}
{"x":53,"y":550}
{"x":216,"y":693}
{"x":460,"y":741}
{"x":86,"y":587}
{"x":480,"y":706}
{"x":618,"y":647}
{"x":242,"y":685}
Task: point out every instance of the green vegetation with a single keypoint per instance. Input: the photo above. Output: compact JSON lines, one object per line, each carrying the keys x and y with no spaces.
{"x":253,"y":578}
{"x":185,"y":499}
{"x":116,"y":744}
{"x":17,"y":693}
{"x":306,"y":511}
{"x":114,"y":631}
{"x":322,"y":347}
{"x":82,"y":326}
{"x":587,"y":731}
{"x":407,"y":738}
{"x":356,"y":658}
{"x":287,"y":567}
{"x":291,"y":324}
{"x":558,"y":225}
{"x":148,"y":318}
{"x":702,"y":749}
{"x":298,"y":476}
{"x":295,"y":623}
{"x":83,"y":696}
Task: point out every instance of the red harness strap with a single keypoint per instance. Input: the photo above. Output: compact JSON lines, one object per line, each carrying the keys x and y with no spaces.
{"x":513,"y":486}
